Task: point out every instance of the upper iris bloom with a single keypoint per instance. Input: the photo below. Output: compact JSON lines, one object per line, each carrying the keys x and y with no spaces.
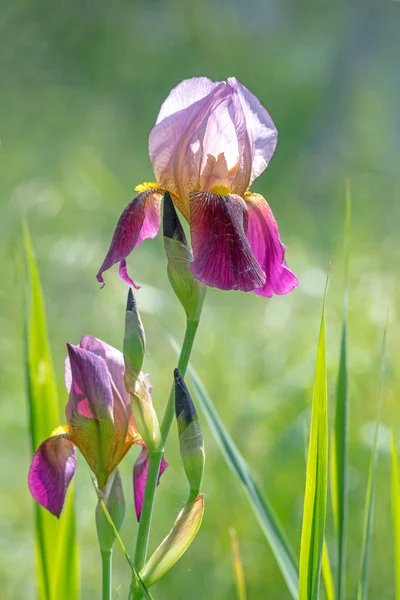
{"x":210,"y":141}
{"x":99,"y":423}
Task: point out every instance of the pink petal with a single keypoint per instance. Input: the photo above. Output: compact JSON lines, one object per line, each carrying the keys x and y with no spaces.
{"x":263,"y":235}
{"x":187,"y":92}
{"x":222,"y":255}
{"x":175,"y":144}
{"x":139,"y":220}
{"x":51,"y":471}
{"x":261,"y":130}
{"x":139,"y":478}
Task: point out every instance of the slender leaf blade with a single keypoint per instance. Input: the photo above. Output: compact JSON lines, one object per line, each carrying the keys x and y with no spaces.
{"x":340,"y":432}
{"x":56,"y":549}
{"x":259,"y":502}
{"x":238,"y":565}
{"x":396,"y":513}
{"x":327,"y":574}
{"x":314,"y":514}
{"x":362,"y":592}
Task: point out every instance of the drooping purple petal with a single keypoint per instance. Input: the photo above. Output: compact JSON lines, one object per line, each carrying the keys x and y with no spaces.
{"x":139,"y":220}
{"x":91,"y":385}
{"x":263,"y":236}
{"x":260,"y":127}
{"x":140,"y":471}
{"x":51,"y":471}
{"x":222,"y":254}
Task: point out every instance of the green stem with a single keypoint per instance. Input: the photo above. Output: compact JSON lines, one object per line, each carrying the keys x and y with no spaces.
{"x":106,"y":565}
{"x":156,"y":457}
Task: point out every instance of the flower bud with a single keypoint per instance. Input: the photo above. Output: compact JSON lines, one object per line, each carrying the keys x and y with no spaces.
{"x":134,"y":343}
{"x":145,"y":415}
{"x":189,"y":290}
{"x":113,"y":497}
{"x":176,"y":543}
{"x":190,"y":436}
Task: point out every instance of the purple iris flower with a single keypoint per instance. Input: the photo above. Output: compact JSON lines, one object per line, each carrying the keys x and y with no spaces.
{"x":210,"y":142}
{"x":99,"y":422}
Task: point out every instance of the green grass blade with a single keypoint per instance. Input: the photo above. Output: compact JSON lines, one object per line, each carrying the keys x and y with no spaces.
{"x":263,"y":510}
{"x":56,"y":549}
{"x":396,"y":514}
{"x":238,"y":565}
{"x":340,"y":432}
{"x":327,"y":574}
{"x":362,"y":592}
{"x":314,"y":514}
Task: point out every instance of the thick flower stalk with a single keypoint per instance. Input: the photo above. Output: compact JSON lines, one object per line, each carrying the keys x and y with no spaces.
{"x":99,"y":423}
{"x":210,"y":142}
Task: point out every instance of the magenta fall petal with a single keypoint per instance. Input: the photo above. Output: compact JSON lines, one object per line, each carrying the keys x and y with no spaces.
{"x":139,"y":478}
{"x":52,"y":469}
{"x":263,"y":236}
{"x":139,"y":220}
{"x":222,"y":254}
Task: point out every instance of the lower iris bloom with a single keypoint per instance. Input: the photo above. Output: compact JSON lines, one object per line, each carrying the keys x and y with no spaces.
{"x":99,"y":423}
{"x":210,"y":141}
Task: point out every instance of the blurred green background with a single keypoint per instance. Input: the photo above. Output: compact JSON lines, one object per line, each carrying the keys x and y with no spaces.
{"x":81,"y":85}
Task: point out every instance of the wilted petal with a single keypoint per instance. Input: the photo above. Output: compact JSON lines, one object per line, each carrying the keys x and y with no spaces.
{"x":51,"y":471}
{"x":139,"y":220}
{"x":222,"y":255}
{"x":139,"y":478}
{"x":261,"y":130}
{"x":263,"y":236}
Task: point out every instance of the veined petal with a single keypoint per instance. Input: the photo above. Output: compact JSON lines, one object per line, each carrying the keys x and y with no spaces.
{"x":114,"y":360}
{"x":139,"y":220}
{"x":140,"y":471}
{"x":52,"y":469}
{"x":222,"y":254}
{"x":184,"y":94}
{"x":91,"y":385}
{"x":176,"y":144}
{"x":263,"y":236}
{"x":260,"y":127}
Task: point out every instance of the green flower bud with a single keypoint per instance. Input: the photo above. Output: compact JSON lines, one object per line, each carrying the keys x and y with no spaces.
{"x":190,"y":436}
{"x":134,"y":343}
{"x":189,"y":290}
{"x":113,"y":497}
{"x":176,"y":543}
{"x":145,"y":415}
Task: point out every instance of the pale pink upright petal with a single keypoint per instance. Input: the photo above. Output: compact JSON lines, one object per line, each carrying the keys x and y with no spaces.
{"x":187,"y":92}
{"x":51,"y":471}
{"x":176,"y":144}
{"x":140,"y":471}
{"x":222,"y":255}
{"x":263,"y":236}
{"x":139,"y":220}
{"x":260,"y":127}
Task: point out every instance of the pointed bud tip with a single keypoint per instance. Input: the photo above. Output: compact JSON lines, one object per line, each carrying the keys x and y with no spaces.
{"x":131,"y":302}
{"x":184,"y":407}
{"x":172,"y":227}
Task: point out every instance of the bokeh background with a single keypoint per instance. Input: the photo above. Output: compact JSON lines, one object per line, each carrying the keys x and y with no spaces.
{"x":81,"y":85}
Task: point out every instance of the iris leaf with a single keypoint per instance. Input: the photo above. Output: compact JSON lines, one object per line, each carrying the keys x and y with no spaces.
{"x":338,"y":466}
{"x":362,"y":592}
{"x":314,"y":513}
{"x":259,"y":502}
{"x":396,"y":513}
{"x":56,"y":548}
